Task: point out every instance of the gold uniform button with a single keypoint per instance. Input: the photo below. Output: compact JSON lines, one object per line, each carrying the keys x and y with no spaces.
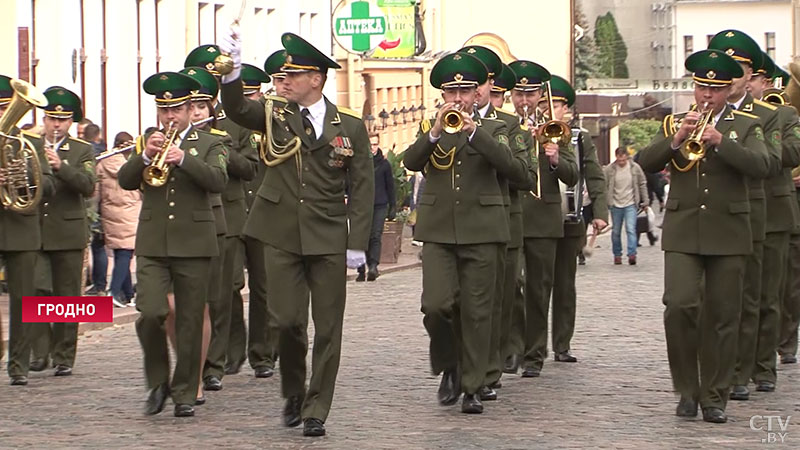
{"x":171,"y":216}
{"x":301,"y":200}
{"x":171,"y":178}
{"x":458,"y":188}
{"x":250,"y":192}
{"x":705,"y":191}
{"x":458,"y":202}
{"x":702,"y":206}
{"x":171,"y":203}
{"x":458,"y":175}
{"x":458,"y":163}
{"x":46,"y":204}
{"x":45,"y":214}
{"x":703,"y":174}
{"x":172,"y":191}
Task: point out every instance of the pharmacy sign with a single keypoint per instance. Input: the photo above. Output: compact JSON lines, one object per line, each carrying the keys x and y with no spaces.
{"x":359,"y":26}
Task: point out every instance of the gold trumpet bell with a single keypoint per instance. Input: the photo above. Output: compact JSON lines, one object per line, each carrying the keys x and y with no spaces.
{"x":556,"y":132}
{"x":452,"y":121}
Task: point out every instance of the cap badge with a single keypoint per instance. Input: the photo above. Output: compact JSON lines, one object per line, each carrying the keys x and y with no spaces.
{"x":211,"y":50}
{"x":458,"y":77}
{"x":168,"y":95}
{"x":523,"y":80}
{"x":288,"y":57}
{"x":711,"y":75}
{"x":191,"y":72}
{"x":456,"y":57}
{"x":210,"y":66}
{"x":713,"y":55}
{"x":163,"y":78}
{"x":471,"y":50}
{"x":59,"y":108}
{"x":730,"y":34}
{"x":729,"y":52}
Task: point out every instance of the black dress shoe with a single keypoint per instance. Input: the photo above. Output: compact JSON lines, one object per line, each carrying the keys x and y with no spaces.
{"x":264,"y":372}
{"x":487,"y":394}
{"x":200,"y":400}
{"x":372,"y":274}
{"x":233,"y":368}
{"x":471,"y":404}
{"x":565,"y":357}
{"x":496,"y":385}
{"x":38,"y":365}
{"x":740,"y":392}
{"x":291,"y":411}
{"x":531,"y":372}
{"x":212,"y":383}
{"x":156,"y":399}
{"x":714,"y":415}
{"x":19,"y":380}
{"x":786,"y":358}
{"x":765,"y":386}
{"x":687,"y":407}
{"x":184,"y":411}
{"x":512,"y":364}
{"x":313,"y":427}
{"x":361,"y":276}
{"x":63,"y":370}
{"x":449,"y":388}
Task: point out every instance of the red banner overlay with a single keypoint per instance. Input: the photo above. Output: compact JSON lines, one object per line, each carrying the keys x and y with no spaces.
{"x":67,"y":309}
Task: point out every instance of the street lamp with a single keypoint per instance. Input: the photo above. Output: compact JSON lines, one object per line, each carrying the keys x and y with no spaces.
{"x":404,"y":114}
{"x":394,"y":114}
{"x":370,"y":121}
{"x":413,"y":111}
{"x":421,"y":111}
{"x":384,"y":116}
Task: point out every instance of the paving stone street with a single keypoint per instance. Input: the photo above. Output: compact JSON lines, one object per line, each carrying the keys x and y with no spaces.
{"x":618,"y":396}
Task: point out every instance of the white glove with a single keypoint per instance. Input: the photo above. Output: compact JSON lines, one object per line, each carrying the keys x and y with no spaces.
{"x":232,"y":46}
{"x":356,"y":258}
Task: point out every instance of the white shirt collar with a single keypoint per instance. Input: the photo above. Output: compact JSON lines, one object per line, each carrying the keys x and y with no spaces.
{"x":737,"y":104}
{"x":485,"y":110}
{"x":317,"y":110}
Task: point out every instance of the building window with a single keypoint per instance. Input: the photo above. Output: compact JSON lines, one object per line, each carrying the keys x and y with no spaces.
{"x":688,"y":45}
{"x":769,"y":37}
{"x":708,"y":39}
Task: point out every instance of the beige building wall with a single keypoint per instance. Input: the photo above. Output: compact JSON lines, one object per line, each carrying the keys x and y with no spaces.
{"x":141,"y":38}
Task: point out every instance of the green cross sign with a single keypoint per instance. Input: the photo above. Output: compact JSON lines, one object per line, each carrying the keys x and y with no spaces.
{"x":360,"y":26}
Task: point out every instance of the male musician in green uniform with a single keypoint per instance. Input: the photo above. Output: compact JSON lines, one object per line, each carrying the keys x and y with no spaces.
{"x":462,"y":221}
{"x":63,"y":218}
{"x":503,"y":83}
{"x":175,"y":239}
{"x":20,"y":240}
{"x":242,"y":167}
{"x":542,"y":218}
{"x":707,"y":235}
{"x":506,"y":259}
{"x":771,"y":217}
{"x":241,"y":342}
{"x":569,"y":246}
{"x":301,"y":216}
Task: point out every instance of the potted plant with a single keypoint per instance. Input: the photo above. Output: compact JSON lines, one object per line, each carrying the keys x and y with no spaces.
{"x":392,"y":238}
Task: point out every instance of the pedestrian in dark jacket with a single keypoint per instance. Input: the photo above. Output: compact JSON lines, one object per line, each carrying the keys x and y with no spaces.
{"x":384,"y":206}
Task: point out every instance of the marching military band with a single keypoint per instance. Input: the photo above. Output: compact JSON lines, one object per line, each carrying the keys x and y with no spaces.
{"x":258,"y":181}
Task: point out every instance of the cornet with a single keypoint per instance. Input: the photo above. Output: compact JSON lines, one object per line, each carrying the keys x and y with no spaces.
{"x":693,"y":147}
{"x":157,"y":173}
{"x":452,"y":120}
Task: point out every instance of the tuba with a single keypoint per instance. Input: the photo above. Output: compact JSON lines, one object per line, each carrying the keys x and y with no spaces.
{"x":19,"y":161}
{"x":157,"y":172}
{"x":693,"y":148}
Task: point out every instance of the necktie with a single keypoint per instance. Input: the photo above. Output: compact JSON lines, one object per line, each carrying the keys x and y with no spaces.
{"x":309,"y":128}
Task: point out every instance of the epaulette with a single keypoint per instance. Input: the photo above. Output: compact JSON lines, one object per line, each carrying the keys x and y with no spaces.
{"x":502,"y":111}
{"x":79,"y":140}
{"x":31,"y":134}
{"x":425,"y":125}
{"x":217,"y":132}
{"x":523,"y":127}
{"x":769,"y":106}
{"x":276,"y":98}
{"x":349,"y":112}
{"x":742,"y":113}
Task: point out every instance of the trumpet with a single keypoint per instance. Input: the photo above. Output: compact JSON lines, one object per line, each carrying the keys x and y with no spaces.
{"x":157,"y":172}
{"x":693,"y":147}
{"x":452,"y":120}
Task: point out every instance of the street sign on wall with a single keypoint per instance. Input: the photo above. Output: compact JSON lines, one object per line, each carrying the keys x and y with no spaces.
{"x":378,"y":28}
{"x":600,"y":85}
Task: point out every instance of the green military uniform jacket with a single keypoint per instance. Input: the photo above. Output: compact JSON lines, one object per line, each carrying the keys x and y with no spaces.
{"x":464,"y":203}
{"x":22,"y":231}
{"x":300,"y":205}
{"x":708,"y":209}
{"x":63,"y":213}
{"x":595,"y":182}
{"x":176,"y":219}
{"x":520,"y":150}
{"x":543,"y":217}
{"x":779,"y":189}
{"x":242,"y":167}
{"x":770,"y":123}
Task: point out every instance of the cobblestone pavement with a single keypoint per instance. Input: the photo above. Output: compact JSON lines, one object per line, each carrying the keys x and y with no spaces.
{"x":618,"y":395}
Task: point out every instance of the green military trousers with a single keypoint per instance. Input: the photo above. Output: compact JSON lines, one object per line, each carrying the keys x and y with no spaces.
{"x":748,"y":319}
{"x":513,"y":340}
{"x":776,"y":249}
{"x":790,"y":312}
{"x":323,"y":277}
{"x":189,"y":279}
{"x":64,"y":277}
{"x":458,"y":283}
{"x":564,"y":293}
{"x":540,"y":258}
{"x":495,"y":363}
{"x":219,"y":310}
{"x":19,"y":273}
{"x":701,"y":327}
{"x":258,"y":342}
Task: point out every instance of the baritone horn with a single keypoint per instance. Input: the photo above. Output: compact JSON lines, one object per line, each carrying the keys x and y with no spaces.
{"x":157,"y":173}
{"x":19,"y":162}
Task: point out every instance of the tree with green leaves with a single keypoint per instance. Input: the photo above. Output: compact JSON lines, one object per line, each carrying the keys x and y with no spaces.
{"x":585,"y":51}
{"x":637,"y":133}
{"x":611,"y":49}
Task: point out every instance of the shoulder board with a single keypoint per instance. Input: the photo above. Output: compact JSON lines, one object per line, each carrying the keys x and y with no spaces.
{"x":79,"y":140}
{"x":769,"y":106}
{"x":495,"y":119}
{"x":503,"y":112}
{"x":276,"y":98}
{"x":218,"y":132}
{"x":425,"y":125}
{"x":140,"y":144}
{"x":742,"y":113}
{"x":348,"y":112}
{"x":31,"y":134}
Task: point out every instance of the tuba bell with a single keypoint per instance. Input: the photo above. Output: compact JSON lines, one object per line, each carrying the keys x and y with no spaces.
{"x":19,"y":161}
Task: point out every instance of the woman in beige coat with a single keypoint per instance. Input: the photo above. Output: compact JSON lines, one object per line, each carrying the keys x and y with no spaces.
{"x":119,"y":214}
